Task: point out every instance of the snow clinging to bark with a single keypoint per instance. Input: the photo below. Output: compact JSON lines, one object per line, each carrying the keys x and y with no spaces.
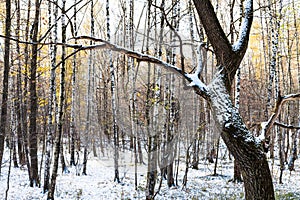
{"x":246,"y":25}
{"x":195,"y":81}
{"x":226,"y":114}
{"x":220,"y":101}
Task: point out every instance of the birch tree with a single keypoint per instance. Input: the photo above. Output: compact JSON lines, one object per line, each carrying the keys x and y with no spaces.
{"x":73,"y":83}
{"x":24,"y":98}
{"x":151,"y":136}
{"x":113,"y":99}
{"x":52,"y":92}
{"x":57,"y":147}
{"x":88,"y":94}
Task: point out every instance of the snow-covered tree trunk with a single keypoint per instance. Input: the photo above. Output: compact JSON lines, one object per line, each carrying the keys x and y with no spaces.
{"x":240,"y":142}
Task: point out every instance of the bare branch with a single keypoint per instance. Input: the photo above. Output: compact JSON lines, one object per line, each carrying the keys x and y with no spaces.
{"x":177,"y":35}
{"x":280,"y":101}
{"x":74,"y":46}
{"x":286,"y":125}
{"x":195,"y":82}
{"x":200,"y":60}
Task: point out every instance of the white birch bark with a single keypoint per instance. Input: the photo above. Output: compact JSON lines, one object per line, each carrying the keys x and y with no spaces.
{"x":89,"y":95}
{"x":52,"y":93}
{"x":275,"y":28}
{"x":58,"y":138}
{"x":113,"y":98}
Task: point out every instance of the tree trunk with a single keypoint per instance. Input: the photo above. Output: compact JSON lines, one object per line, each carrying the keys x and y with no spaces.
{"x":217,"y":157}
{"x":33,"y":134}
{"x":20,"y":141}
{"x":113,"y":101}
{"x":294,"y":154}
{"x":72,"y":117}
{"x":89,"y":97}
{"x":52,"y":92}
{"x":237,"y":175}
{"x":241,"y":143}
{"x":58,"y":138}
{"x":4,"y":117}
{"x":24,"y":96}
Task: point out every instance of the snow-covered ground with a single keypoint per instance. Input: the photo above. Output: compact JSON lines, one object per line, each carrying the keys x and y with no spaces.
{"x":98,"y":184}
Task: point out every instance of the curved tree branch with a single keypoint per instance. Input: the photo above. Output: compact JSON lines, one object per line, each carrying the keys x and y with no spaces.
{"x":193,"y":79}
{"x":266,"y":126}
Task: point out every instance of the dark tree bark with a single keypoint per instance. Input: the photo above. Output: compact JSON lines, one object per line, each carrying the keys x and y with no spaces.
{"x":242,"y":145}
{"x":237,"y":176}
{"x":20,"y":142}
{"x":33,"y":134}
{"x":6,"y":69}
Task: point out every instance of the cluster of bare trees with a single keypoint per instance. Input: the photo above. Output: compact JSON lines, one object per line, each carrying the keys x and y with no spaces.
{"x":163,"y":80}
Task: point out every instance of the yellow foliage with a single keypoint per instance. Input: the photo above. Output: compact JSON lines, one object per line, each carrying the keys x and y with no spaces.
{"x":42,"y":102}
{"x":256,"y":49}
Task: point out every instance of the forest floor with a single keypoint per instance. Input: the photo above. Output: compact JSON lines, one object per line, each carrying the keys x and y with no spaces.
{"x":98,"y":184}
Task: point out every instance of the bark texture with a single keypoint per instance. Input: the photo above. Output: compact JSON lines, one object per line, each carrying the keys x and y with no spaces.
{"x":3,"y":118}
{"x":240,"y":142}
{"x":33,"y":134}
